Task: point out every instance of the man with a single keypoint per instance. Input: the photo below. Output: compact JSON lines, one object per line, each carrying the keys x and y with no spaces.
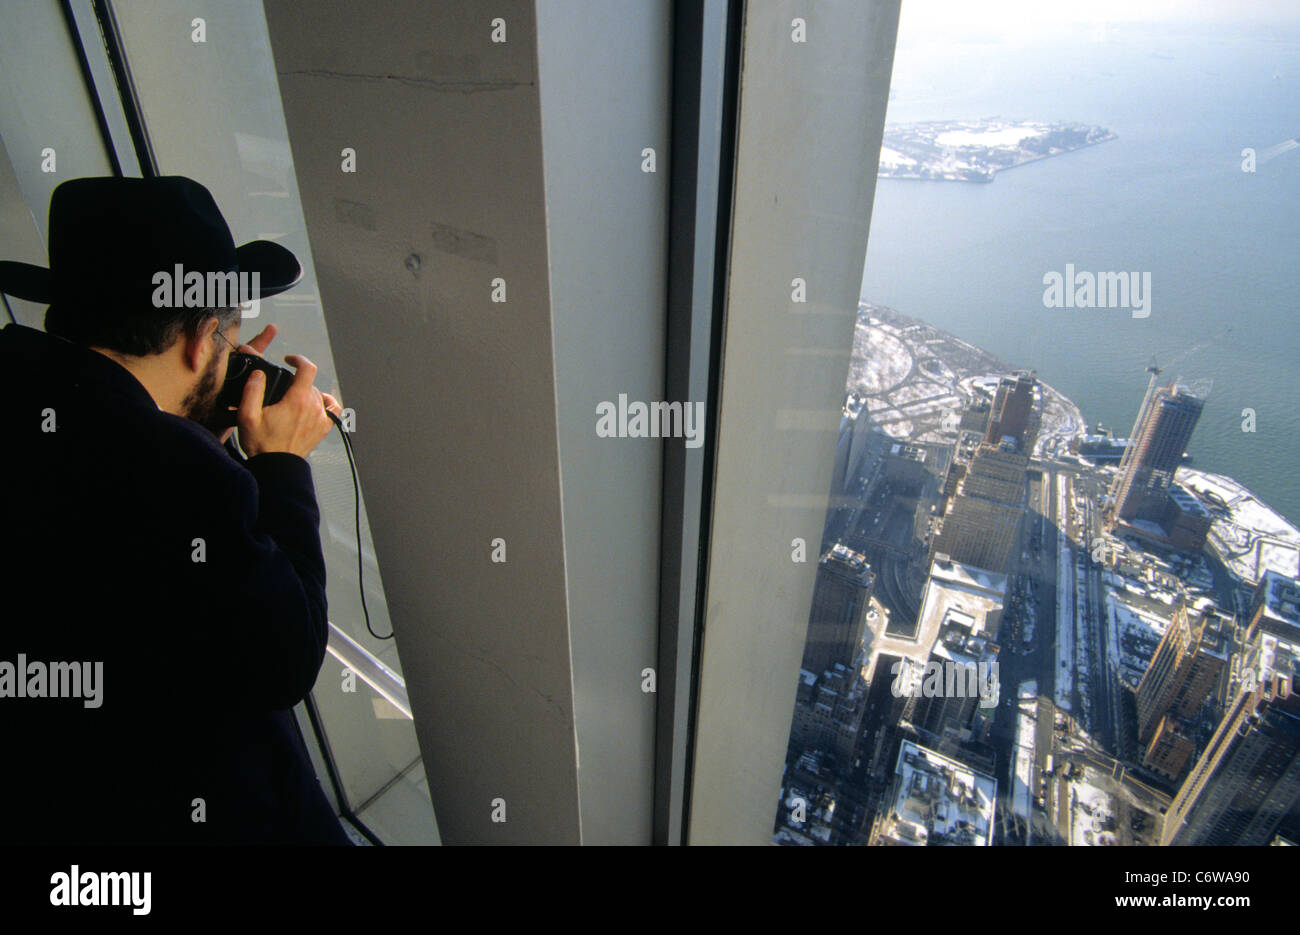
{"x":164,"y":600}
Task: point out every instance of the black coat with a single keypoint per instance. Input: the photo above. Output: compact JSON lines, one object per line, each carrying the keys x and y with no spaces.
{"x":204,"y":645}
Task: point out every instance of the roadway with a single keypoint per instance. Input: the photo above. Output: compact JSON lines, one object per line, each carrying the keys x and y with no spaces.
{"x":1032,"y":585}
{"x":888,"y":528}
{"x":1096,"y":743}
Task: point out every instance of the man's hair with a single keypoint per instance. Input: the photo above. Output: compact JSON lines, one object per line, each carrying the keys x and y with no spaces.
{"x":140,"y":333}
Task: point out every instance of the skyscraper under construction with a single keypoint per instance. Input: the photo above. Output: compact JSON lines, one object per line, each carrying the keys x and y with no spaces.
{"x":1164,"y":428}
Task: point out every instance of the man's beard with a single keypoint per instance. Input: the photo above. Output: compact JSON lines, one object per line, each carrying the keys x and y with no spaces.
{"x":199,"y":405}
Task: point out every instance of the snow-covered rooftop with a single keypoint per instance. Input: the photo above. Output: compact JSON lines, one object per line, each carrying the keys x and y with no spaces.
{"x":1282,"y":602}
{"x":955,"y":574}
{"x":938,"y":801}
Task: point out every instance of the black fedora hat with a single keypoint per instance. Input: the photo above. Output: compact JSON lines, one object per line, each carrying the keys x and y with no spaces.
{"x":108,"y":238}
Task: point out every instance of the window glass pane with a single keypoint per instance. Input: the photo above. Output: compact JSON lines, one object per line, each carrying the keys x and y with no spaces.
{"x":48,"y":127}
{"x":211,"y":106}
{"x":1061,"y":546}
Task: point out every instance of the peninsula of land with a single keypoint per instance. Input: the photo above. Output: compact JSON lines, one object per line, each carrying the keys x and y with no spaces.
{"x":974,"y":151}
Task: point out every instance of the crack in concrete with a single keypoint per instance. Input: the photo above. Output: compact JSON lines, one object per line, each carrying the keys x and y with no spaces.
{"x":559,"y":710}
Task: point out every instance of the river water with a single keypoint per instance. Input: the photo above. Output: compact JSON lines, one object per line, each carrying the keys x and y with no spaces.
{"x":1168,"y":197}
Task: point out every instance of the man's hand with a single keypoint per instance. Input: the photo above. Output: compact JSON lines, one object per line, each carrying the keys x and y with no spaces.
{"x":296,"y":424}
{"x":256,"y":346}
{"x":259,"y":345}
{"x":261,"y":342}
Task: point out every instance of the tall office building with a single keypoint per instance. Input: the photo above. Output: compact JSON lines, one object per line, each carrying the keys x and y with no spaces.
{"x":1013,"y":414}
{"x":839,"y":610}
{"x":1164,"y":429}
{"x":828,"y":712}
{"x":1182,"y":675}
{"x":1247,"y":782}
{"x":858,"y":455}
{"x":1171,"y":746}
{"x":982,"y":523}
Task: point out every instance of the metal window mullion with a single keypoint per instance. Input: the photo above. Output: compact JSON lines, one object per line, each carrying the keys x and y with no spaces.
{"x":704,"y":72}
{"x":332,"y":771}
{"x":126,"y":93}
{"x":92,"y":92}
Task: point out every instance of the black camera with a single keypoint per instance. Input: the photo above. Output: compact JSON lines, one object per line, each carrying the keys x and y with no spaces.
{"x":238,"y":371}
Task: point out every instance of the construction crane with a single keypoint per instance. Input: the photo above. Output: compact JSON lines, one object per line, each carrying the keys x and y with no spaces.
{"x":1155,"y":370}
